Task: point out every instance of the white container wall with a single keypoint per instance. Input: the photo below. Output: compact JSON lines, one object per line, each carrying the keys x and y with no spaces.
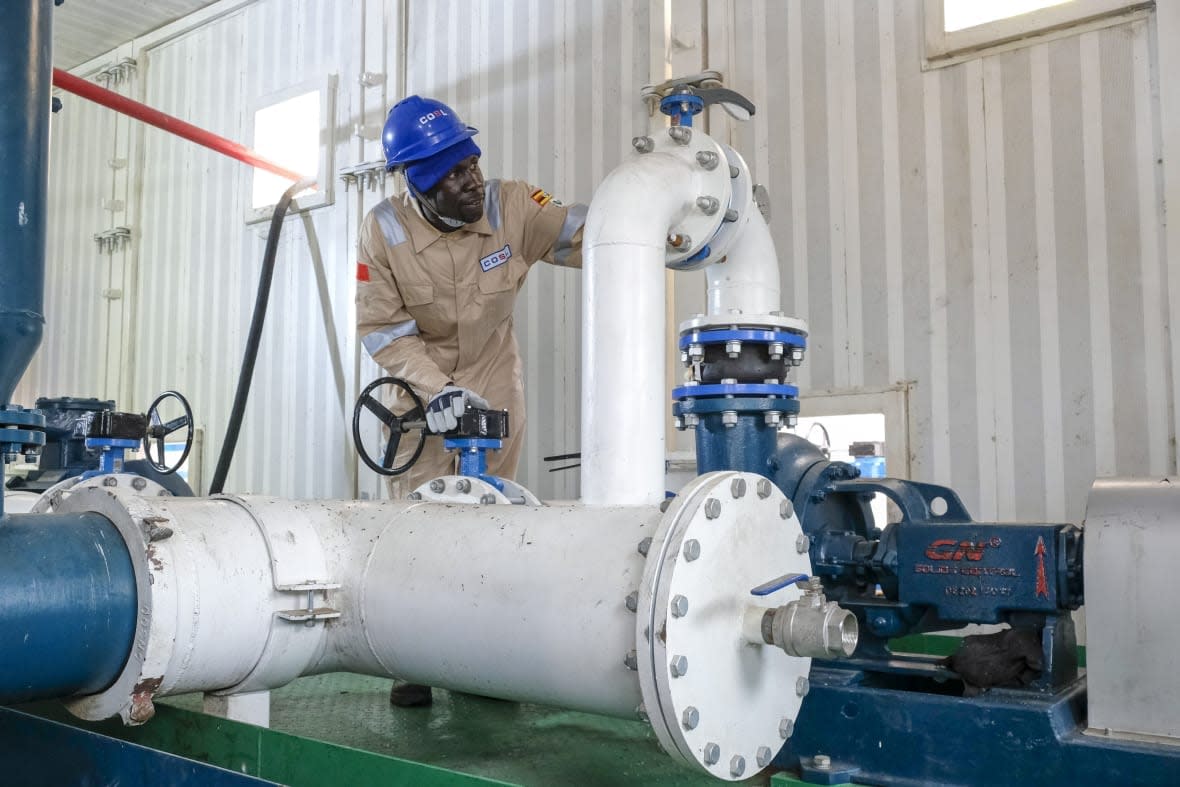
{"x":989,"y":233}
{"x":554,"y":90}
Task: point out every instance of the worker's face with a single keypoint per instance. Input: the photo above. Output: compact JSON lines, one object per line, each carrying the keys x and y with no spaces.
{"x":459,"y":195}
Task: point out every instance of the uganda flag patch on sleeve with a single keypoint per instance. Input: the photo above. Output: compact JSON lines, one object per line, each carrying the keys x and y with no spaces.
{"x":541,"y":197}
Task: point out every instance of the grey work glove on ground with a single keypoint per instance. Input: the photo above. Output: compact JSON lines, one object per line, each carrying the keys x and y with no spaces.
{"x":446,"y":406}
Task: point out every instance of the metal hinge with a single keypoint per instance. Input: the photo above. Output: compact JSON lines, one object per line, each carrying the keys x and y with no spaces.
{"x":117,"y":73}
{"x":367,"y":174}
{"x":309,"y":614}
{"x":112,"y":240}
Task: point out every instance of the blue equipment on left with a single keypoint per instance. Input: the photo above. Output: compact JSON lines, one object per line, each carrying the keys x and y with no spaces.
{"x":88,"y":437}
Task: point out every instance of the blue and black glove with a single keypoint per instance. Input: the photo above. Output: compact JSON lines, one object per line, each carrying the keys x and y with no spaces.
{"x":446,"y":406}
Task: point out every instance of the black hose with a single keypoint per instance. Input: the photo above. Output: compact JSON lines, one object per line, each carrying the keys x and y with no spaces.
{"x":246,"y":375}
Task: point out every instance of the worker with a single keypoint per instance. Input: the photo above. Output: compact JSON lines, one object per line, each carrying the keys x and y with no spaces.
{"x":437,"y":277}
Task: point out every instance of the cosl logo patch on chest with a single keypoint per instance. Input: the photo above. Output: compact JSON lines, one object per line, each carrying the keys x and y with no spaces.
{"x":496,"y":258}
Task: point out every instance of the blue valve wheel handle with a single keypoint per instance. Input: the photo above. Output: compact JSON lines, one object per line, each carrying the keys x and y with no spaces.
{"x":397,"y":425}
{"x":158,"y":430}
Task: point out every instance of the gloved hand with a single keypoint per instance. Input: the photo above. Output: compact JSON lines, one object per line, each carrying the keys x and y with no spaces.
{"x":445,"y":407}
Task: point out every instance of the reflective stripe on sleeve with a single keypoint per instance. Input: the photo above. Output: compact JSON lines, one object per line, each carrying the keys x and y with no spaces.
{"x":575,"y":218}
{"x":381,"y":338}
{"x":387,"y":220}
{"x":492,"y":203}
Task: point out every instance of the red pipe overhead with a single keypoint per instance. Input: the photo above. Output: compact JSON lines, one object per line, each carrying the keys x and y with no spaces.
{"x":108,"y":98}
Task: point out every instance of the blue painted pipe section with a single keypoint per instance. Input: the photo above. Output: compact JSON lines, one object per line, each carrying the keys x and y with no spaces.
{"x":25,"y":74}
{"x":67,"y":605}
{"x":748,"y":446}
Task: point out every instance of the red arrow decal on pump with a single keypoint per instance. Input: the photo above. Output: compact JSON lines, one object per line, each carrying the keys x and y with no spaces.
{"x":1042,"y":581}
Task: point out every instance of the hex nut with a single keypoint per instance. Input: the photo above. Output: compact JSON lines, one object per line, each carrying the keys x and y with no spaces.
{"x":802,"y":543}
{"x":822,"y":761}
{"x":764,"y":488}
{"x":631,"y":660}
{"x":764,"y":757}
{"x":679,"y":666}
{"x":138,"y":483}
{"x":681,"y":135}
{"x":679,"y":606}
{"x":712,"y":508}
{"x":737,"y":766}
{"x":667,"y":501}
{"x":707,"y":159}
{"x":641,"y":712}
{"x":487,"y":500}
{"x":692,"y":549}
{"x":644,"y":546}
{"x":643,"y":144}
{"x":414,"y":496}
{"x":802,"y":686}
{"x":729,"y":418}
{"x":737,"y":487}
{"x":463,"y":485}
{"x":633,"y":600}
{"x":786,"y":728}
{"x":438,"y":486}
{"x":786,"y":509}
{"x":708,"y":205}
{"x":110,"y":481}
{"x":690,"y":718}
{"x":712,"y":753}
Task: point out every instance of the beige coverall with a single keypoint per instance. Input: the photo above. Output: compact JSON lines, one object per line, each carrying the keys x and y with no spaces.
{"x":435,"y":308}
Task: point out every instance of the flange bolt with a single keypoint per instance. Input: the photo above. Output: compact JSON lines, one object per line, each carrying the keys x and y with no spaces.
{"x":707,"y":159}
{"x":643,"y":144}
{"x":708,"y":205}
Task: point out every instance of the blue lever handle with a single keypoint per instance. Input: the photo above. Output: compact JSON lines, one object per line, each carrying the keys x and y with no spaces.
{"x":786,"y":580}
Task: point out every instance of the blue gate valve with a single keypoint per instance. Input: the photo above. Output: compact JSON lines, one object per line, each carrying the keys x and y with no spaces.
{"x":473,"y":457}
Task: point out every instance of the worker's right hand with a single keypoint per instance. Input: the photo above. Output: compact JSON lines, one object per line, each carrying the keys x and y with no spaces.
{"x":446,"y":406}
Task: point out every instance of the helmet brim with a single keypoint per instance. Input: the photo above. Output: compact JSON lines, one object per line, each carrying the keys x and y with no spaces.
{"x":429,"y":147}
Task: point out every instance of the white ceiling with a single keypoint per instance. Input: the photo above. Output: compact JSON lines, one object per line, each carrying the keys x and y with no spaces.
{"x":84,"y":29}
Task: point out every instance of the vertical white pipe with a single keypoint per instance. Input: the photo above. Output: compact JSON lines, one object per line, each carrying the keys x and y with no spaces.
{"x":623,"y":339}
{"x":748,"y":277}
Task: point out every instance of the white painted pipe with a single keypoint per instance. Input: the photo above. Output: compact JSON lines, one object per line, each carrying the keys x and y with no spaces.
{"x":19,"y":501}
{"x":516,"y":602}
{"x":524,"y":603}
{"x":748,"y":278}
{"x":623,"y":337}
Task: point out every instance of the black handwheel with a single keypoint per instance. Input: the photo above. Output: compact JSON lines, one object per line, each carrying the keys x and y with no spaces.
{"x":397,"y":425}
{"x":158,"y":430}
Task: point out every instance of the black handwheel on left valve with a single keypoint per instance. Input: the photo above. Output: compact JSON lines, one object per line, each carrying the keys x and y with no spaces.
{"x":158,"y":430}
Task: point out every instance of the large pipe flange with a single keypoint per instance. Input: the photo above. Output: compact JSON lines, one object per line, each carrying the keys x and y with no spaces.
{"x":51,"y":498}
{"x":130,"y":696}
{"x":468,"y":490}
{"x":717,"y":699}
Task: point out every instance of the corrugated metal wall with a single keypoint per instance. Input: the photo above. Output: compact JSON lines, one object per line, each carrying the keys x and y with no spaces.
{"x":199,"y":261}
{"x":989,"y":233}
{"x":554,"y":89}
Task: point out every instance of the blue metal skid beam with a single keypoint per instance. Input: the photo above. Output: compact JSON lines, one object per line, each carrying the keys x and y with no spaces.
{"x":67,"y":605}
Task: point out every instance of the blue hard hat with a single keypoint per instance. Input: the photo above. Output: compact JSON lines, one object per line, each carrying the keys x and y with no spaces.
{"x":418,"y":128}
